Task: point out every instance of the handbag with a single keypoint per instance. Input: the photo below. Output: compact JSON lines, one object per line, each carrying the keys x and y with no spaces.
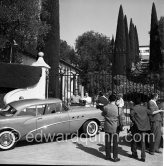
{"x":120,"y":122}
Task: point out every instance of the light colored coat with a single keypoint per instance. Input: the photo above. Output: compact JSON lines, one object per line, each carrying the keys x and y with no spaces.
{"x":154,"y":107}
{"x":110,"y":112}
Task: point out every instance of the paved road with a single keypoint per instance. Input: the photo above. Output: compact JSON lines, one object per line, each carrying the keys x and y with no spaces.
{"x":74,"y":151}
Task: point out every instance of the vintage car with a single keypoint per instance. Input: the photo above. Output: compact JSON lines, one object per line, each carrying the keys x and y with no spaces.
{"x":26,"y":118}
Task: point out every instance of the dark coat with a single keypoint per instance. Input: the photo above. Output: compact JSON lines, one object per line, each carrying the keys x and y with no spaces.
{"x":140,"y":116}
{"x":102,"y":100}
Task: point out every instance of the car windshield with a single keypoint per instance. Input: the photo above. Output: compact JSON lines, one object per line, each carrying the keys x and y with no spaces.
{"x":8,"y":111}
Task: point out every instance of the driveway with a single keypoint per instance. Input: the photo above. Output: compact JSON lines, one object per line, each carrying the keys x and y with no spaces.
{"x":74,"y":151}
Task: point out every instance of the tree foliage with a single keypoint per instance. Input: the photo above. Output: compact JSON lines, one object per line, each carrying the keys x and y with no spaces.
{"x":161,"y":33}
{"x":119,"y":59}
{"x":137,"y":59}
{"x":132,"y":42}
{"x":20,"y":21}
{"x":94,"y":51}
{"x":128,"y":63}
{"x":52,"y":46}
{"x":155,"y":61}
{"x":67,"y":53}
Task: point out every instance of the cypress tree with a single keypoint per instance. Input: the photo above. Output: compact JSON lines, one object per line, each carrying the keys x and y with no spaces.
{"x":136,"y":45}
{"x":52,"y":48}
{"x":119,"y":58}
{"x":161,"y":33}
{"x":112,"y":41}
{"x":128,"y":65}
{"x":112,"y":47}
{"x":155,"y":53}
{"x":132,"y":43}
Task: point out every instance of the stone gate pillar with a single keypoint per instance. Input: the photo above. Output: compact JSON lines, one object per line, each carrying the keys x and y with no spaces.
{"x":44,"y":81}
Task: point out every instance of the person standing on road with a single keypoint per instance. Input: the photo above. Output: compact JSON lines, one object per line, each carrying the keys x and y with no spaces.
{"x":110,"y":112}
{"x":120,"y":105}
{"x":139,"y":115}
{"x":156,"y":124}
{"x":120,"y":102}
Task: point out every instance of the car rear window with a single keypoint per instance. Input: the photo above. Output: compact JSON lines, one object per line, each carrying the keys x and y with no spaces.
{"x":29,"y":111}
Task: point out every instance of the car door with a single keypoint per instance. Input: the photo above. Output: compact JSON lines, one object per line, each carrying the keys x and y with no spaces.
{"x":52,"y":121}
{"x":28,"y":119}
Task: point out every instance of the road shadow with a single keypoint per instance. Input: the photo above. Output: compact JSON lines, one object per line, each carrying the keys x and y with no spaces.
{"x":121,"y":151}
{"x":42,"y":140}
{"x":90,"y":150}
{"x":125,"y":140}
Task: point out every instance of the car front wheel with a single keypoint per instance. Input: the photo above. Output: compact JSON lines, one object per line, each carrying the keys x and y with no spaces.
{"x":90,"y":128}
{"x":7,"y":140}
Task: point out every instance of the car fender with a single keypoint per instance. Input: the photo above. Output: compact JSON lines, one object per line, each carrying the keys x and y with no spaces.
{"x":80,"y":115}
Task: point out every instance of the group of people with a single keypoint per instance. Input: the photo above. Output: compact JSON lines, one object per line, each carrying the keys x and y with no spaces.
{"x":76,"y":99}
{"x":146,"y":123}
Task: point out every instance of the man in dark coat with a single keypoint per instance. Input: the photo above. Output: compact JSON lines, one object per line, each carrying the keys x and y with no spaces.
{"x":102,"y":99}
{"x":141,"y":126}
{"x":110,"y":112}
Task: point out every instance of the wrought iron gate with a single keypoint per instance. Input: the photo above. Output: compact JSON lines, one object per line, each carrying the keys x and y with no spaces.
{"x":129,"y":85}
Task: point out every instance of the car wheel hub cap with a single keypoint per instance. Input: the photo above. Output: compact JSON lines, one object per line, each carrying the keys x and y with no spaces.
{"x":6,"y":140}
{"x":91,"y":128}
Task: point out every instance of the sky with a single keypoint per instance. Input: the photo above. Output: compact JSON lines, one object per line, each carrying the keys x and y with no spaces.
{"x":80,"y":16}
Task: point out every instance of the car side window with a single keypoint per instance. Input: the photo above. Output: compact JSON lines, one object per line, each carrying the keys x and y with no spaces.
{"x":29,"y":111}
{"x":41,"y":109}
{"x":53,"y":108}
{"x":58,"y":107}
{"x":50,"y":109}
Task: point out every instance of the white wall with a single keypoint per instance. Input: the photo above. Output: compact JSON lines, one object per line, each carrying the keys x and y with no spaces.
{"x":36,"y":91}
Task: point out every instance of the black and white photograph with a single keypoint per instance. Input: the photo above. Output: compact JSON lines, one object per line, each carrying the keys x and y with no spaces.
{"x":82,"y":82}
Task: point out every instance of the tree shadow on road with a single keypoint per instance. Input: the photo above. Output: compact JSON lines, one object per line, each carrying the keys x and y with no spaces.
{"x":42,"y":140}
{"x":121,"y":151}
{"x":25,"y":143}
{"x":90,"y":150}
{"x":125,"y":140}
{"x":98,"y":152}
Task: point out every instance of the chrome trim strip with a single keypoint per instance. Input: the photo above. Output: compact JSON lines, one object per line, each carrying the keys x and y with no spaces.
{"x":59,"y":123}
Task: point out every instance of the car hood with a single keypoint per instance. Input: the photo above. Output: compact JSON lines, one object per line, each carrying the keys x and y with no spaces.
{"x":5,"y":117}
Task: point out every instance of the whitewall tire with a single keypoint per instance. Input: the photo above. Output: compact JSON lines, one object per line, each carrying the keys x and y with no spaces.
{"x":90,"y":128}
{"x":7,"y":140}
